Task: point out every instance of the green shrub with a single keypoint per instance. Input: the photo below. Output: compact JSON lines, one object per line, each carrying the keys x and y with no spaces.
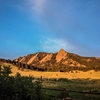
{"x":63,"y":80}
{"x":18,"y":87}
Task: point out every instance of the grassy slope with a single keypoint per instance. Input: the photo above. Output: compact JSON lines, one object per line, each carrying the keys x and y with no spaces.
{"x":70,"y":75}
{"x":73,"y":84}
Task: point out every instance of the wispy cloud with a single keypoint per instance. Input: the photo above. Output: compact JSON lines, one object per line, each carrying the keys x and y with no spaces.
{"x":37,"y":5}
{"x":55,"y":44}
{"x":67,"y":19}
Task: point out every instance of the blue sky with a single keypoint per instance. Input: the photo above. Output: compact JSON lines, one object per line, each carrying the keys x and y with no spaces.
{"x":29,"y":26}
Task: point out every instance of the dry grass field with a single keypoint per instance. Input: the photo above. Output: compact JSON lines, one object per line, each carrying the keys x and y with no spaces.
{"x":70,"y":75}
{"x":77,"y":80}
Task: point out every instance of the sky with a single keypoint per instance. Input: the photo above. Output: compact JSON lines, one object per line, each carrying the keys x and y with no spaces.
{"x":29,"y":26}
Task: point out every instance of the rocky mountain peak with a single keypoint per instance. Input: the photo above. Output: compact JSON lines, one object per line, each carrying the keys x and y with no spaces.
{"x":61,"y":55}
{"x":62,"y":60}
{"x":61,"y":51}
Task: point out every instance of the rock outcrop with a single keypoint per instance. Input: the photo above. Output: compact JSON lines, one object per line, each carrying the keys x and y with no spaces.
{"x":46,"y":58}
{"x":62,"y":54}
{"x":34,"y":58}
{"x":61,"y":60}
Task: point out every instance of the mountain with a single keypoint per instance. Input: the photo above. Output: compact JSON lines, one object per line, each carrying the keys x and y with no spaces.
{"x":60,"y":61}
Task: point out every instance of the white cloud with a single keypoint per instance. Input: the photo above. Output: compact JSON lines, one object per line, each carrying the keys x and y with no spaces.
{"x":38,"y":5}
{"x":54,"y":45}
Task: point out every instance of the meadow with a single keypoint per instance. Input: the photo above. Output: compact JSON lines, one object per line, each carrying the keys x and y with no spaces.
{"x":84,"y":85}
{"x":69,"y":75}
{"x":79,"y":81}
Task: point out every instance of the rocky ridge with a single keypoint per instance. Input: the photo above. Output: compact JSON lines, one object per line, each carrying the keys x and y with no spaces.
{"x":60,"y":60}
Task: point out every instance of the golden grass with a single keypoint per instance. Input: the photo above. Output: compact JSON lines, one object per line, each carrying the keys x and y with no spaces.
{"x":75,"y":75}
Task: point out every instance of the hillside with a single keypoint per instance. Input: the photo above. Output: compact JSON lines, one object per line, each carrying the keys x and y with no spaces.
{"x":55,"y":75}
{"x":60,"y":61}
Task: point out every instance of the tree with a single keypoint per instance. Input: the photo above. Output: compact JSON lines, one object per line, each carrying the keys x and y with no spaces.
{"x":19,"y":87}
{"x":6,"y":70}
{"x":26,"y":66}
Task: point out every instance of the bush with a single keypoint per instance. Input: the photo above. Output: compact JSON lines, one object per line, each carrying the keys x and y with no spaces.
{"x":63,"y":80}
{"x":18,"y":87}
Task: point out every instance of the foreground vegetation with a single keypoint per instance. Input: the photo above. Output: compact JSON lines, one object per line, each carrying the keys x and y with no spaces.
{"x":85,"y":85}
{"x":18,"y":87}
{"x":29,"y":88}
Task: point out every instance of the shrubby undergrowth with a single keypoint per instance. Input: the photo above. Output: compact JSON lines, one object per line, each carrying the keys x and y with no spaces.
{"x":18,"y":87}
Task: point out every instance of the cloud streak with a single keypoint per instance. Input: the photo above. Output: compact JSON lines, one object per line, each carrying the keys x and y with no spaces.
{"x":55,"y":44}
{"x":73,"y":21}
{"x":37,"y":5}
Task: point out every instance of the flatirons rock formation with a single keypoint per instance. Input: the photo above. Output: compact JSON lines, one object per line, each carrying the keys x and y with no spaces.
{"x":59,"y":61}
{"x":62,"y":54}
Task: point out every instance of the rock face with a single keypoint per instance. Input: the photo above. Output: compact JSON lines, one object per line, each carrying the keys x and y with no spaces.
{"x":62,"y":54}
{"x":18,"y":59}
{"x":61,"y":60}
{"x":21,"y":60}
{"x":46,"y":58}
{"x":34,"y":58}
